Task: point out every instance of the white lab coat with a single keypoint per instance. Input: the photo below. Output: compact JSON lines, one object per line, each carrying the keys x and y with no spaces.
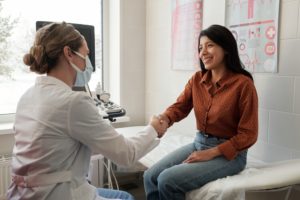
{"x":56,"y":130}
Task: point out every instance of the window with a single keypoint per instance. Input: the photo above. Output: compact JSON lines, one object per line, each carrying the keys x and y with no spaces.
{"x":18,"y":20}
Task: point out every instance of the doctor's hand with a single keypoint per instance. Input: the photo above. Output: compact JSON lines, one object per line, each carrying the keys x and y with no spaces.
{"x":159,"y":125}
{"x":203,"y":155}
{"x":164,"y":119}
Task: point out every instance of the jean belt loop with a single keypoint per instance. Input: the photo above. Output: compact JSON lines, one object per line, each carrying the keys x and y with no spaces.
{"x":203,"y":134}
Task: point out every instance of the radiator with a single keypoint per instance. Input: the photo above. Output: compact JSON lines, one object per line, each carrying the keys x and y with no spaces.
{"x":5,"y":175}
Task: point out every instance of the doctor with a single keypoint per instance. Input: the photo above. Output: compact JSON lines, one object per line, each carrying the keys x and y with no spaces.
{"x":56,"y":129}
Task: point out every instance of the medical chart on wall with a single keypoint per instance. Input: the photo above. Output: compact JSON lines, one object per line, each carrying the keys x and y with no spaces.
{"x":254,"y":23}
{"x":186,"y":26}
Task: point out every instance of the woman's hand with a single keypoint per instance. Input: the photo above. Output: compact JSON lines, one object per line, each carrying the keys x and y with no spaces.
{"x":164,"y":119}
{"x":159,"y":125}
{"x":203,"y":155}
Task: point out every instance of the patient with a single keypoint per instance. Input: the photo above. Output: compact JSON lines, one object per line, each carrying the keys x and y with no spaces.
{"x":225,"y":104}
{"x":57,"y":129}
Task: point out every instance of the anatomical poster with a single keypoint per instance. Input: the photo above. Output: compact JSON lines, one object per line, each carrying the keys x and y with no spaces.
{"x":186,"y":26}
{"x":254,"y":24}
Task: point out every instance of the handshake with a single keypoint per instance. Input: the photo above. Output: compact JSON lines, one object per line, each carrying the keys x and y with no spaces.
{"x":160,"y":124}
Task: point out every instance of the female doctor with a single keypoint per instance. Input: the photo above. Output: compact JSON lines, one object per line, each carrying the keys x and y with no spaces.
{"x":57,"y":129}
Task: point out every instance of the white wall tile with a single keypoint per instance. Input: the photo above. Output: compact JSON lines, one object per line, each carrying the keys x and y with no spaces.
{"x":275,"y":92}
{"x":269,"y":152}
{"x":287,"y":0}
{"x":289,"y":58}
{"x":295,"y":154}
{"x":284,"y":130}
{"x":263,"y":125}
{"x":158,"y":50}
{"x":298,"y":35}
{"x":288,"y":20}
{"x":158,"y":14}
{"x":297,"y":96}
{"x":156,"y":102}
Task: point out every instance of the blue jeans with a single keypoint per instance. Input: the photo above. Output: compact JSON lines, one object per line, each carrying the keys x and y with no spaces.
{"x":114,"y":194}
{"x":169,"y":178}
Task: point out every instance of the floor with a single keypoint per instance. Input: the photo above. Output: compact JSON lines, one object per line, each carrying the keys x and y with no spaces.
{"x":132,"y":183}
{"x":137,"y":191}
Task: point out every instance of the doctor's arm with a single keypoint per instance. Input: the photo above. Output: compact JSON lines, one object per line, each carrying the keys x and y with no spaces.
{"x":88,"y":127}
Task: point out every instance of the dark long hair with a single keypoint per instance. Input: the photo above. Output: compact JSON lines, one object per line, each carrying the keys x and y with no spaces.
{"x":224,"y":38}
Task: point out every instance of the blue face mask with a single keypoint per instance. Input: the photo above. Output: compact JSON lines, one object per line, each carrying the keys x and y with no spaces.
{"x":83,"y":77}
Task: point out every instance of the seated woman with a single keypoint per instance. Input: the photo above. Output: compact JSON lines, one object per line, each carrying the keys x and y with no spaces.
{"x":225,"y":104}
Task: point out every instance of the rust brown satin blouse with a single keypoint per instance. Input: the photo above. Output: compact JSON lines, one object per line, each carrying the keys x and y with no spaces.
{"x":227,"y":110}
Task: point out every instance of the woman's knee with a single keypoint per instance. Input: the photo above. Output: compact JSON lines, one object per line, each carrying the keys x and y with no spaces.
{"x":151,"y":173}
{"x":166,"y":179}
{"x":148,"y":175}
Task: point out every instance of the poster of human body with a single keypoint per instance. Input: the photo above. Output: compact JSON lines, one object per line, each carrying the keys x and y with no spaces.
{"x":186,"y":26}
{"x":254,"y":23}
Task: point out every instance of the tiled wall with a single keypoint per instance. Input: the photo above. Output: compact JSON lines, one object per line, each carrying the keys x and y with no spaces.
{"x":279,"y":93}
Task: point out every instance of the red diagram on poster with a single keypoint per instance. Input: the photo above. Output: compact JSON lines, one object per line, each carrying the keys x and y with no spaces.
{"x":255,"y":31}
